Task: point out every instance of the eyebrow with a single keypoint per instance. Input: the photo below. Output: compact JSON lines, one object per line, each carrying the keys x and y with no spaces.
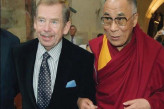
{"x":120,"y":14}
{"x":107,"y":14}
{"x":40,"y":17}
{"x":56,"y":19}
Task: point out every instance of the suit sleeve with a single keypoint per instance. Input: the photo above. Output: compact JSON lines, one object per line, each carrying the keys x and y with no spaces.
{"x":87,"y":85}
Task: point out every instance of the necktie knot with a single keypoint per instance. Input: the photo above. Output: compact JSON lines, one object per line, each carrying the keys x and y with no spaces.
{"x":46,"y":56}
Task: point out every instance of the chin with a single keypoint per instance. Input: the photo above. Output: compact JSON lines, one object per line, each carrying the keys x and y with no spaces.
{"x":46,"y":44}
{"x":115,"y":43}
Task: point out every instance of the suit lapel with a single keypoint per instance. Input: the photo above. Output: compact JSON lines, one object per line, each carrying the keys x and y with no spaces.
{"x":64,"y":67}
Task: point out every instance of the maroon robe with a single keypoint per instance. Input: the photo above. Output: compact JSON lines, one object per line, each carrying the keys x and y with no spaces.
{"x":137,"y":71}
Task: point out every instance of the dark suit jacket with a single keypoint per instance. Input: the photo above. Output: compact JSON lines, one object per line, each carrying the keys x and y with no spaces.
{"x":74,"y":64}
{"x":8,"y":76}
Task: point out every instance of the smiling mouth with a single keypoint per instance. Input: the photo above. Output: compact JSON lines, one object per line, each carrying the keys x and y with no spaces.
{"x":47,"y":36}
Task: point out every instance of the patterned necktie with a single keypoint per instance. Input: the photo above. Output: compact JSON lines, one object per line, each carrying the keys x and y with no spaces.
{"x":44,"y":83}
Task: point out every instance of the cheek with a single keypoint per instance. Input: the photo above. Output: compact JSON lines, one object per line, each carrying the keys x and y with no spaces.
{"x":126,"y":35}
{"x":106,"y":29}
{"x":38,"y":29}
{"x":58,"y":33}
{"x":36,"y":26}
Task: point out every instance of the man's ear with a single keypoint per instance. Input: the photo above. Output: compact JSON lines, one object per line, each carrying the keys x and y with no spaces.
{"x":135,"y":20}
{"x":67,"y":27}
{"x":34,"y":22}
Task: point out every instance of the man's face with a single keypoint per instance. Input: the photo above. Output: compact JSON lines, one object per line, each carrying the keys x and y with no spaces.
{"x":72,"y":31}
{"x":49,"y":25}
{"x":118,"y":35}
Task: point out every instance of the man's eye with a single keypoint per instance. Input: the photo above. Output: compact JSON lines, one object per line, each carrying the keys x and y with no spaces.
{"x":108,"y":18}
{"x":121,"y":18}
{"x":41,"y":20}
{"x":54,"y":22}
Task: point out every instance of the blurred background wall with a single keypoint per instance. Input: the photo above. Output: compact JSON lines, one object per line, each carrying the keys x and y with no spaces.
{"x":17,"y":17}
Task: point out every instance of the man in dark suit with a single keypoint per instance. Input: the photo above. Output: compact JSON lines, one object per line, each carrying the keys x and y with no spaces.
{"x":52,"y":72}
{"x":8,"y":76}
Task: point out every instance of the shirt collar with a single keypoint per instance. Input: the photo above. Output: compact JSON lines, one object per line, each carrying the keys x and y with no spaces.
{"x":54,"y":52}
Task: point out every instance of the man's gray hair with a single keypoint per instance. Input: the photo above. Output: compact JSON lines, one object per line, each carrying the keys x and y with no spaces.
{"x":65,"y":8}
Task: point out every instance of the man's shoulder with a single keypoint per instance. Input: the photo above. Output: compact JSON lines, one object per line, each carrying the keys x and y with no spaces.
{"x":95,"y":43}
{"x":28,"y":43}
{"x":97,"y":39}
{"x":26,"y":47}
{"x":6,"y":35}
{"x":150,"y":43}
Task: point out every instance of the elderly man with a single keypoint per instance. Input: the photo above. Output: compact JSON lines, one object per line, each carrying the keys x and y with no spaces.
{"x":52,"y":72}
{"x":129,"y":65}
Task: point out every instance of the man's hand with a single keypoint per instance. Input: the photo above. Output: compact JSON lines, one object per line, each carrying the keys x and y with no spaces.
{"x":137,"y":104}
{"x":85,"y":103}
{"x":160,"y":32}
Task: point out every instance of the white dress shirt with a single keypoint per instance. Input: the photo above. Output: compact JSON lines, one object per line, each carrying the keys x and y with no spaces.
{"x":52,"y":62}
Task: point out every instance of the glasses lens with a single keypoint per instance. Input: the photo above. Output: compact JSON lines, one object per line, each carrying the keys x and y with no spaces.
{"x":106,"y":20}
{"x":121,"y":21}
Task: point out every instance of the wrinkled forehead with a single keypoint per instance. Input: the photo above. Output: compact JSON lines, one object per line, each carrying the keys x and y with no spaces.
{"x":117,"y":8}
{"x":51,"y":8}
{"x":108,"y":14}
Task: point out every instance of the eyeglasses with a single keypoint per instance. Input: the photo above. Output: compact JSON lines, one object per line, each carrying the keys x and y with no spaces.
{"x":53,"y":22}
{"x":120,"y":21}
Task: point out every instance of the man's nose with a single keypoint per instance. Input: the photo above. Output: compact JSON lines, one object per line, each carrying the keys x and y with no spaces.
{"x":114,"y":26}
{"x":47,"y":26}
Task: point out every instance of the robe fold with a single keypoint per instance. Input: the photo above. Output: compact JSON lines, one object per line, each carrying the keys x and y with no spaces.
{"x":137,"y":71}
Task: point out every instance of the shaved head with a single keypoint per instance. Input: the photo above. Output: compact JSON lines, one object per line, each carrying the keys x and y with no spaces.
{"x":132,"y":2}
